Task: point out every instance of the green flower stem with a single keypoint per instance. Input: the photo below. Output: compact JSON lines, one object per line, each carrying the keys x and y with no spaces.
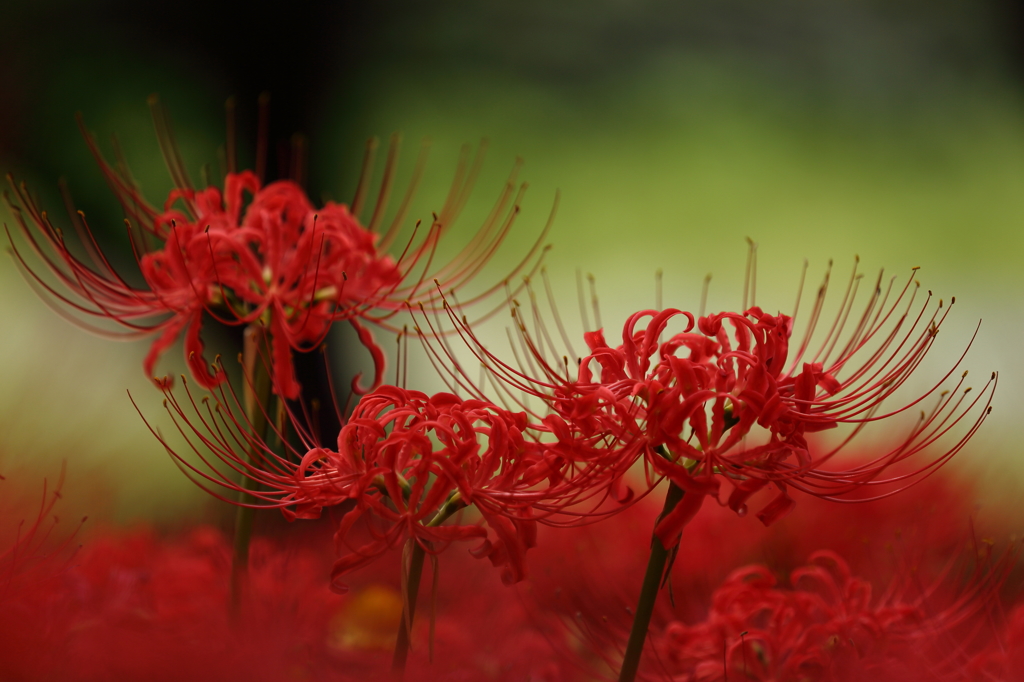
{"x":255,"y":352}
{"x":412,"y":587}
{"x":648,"y":593}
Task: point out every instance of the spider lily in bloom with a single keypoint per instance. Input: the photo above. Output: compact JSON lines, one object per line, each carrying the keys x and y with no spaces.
{"x":723,"y":407}
{"x":412,"y":461}
{"x":408,"y":461}
{"x":257,"y":253}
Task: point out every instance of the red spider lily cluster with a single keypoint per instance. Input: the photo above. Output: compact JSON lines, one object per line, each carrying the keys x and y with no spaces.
{"x":687,"y":405}
{"x":730,"y":406}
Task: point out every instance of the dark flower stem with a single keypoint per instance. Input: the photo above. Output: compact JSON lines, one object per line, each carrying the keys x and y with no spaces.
{"x":412,"y":588}
{"x":257,"y":398}
{"x":648,"y":594}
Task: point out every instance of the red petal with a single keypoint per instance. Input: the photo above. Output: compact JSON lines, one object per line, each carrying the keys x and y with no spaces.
{"x":166,"y":339}
{"x":285,"y":382}
{"x":776,"y":509}
{"x":366,"y":338}
{"x":194,"y":354}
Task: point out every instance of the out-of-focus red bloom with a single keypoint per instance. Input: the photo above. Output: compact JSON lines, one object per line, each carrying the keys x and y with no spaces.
{"x":724,"y":406}
{"x":257,"y":253}
{"x":588,"y":576}
{"x":407,"y":461}
{"x":932,"y":616}
{"x":828,"y":626}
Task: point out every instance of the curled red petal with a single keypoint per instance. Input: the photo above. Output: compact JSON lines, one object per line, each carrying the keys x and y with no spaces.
{"x":353,"y":560}
{"x":166,"y":339}
{"x":366,"y":338}
{"x":194,"y":355}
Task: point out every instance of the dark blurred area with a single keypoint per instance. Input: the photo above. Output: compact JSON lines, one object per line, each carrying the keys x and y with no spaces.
{"x":58,"y":57}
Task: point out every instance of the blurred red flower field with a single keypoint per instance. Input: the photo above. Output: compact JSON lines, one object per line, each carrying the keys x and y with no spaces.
{"x":924,"y":597}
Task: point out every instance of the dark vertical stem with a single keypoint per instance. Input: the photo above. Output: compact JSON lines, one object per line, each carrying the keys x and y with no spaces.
{"x":257,"y":396}
{"x":412,"y":588}
{"x":262,"y":136}
{"x":648,"y":594}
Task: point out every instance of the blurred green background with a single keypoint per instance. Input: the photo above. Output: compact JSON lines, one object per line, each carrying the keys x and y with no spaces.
{"x":890,"y":130}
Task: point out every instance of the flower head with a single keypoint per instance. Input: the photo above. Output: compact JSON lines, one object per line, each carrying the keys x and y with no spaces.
{"x":406,"y":462}
{"x":411,"y":461}
{"x":724,"y":405}
{"x":255,"y":253}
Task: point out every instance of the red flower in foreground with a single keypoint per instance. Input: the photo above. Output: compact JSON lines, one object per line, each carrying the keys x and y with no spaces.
{"x":254,"y":253}
{"x":723,"y":407}
{"x":408,"y":462}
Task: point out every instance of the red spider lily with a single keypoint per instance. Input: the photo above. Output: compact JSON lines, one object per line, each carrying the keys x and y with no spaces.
{"x":405,"y":460}
{"x":829,"y":626}
{"x":723,"y":407}
{"x":411,"y":461}
{"x":256,"y":253}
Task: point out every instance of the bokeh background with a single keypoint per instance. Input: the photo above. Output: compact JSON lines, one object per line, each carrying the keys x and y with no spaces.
{"x":673,"y":131}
